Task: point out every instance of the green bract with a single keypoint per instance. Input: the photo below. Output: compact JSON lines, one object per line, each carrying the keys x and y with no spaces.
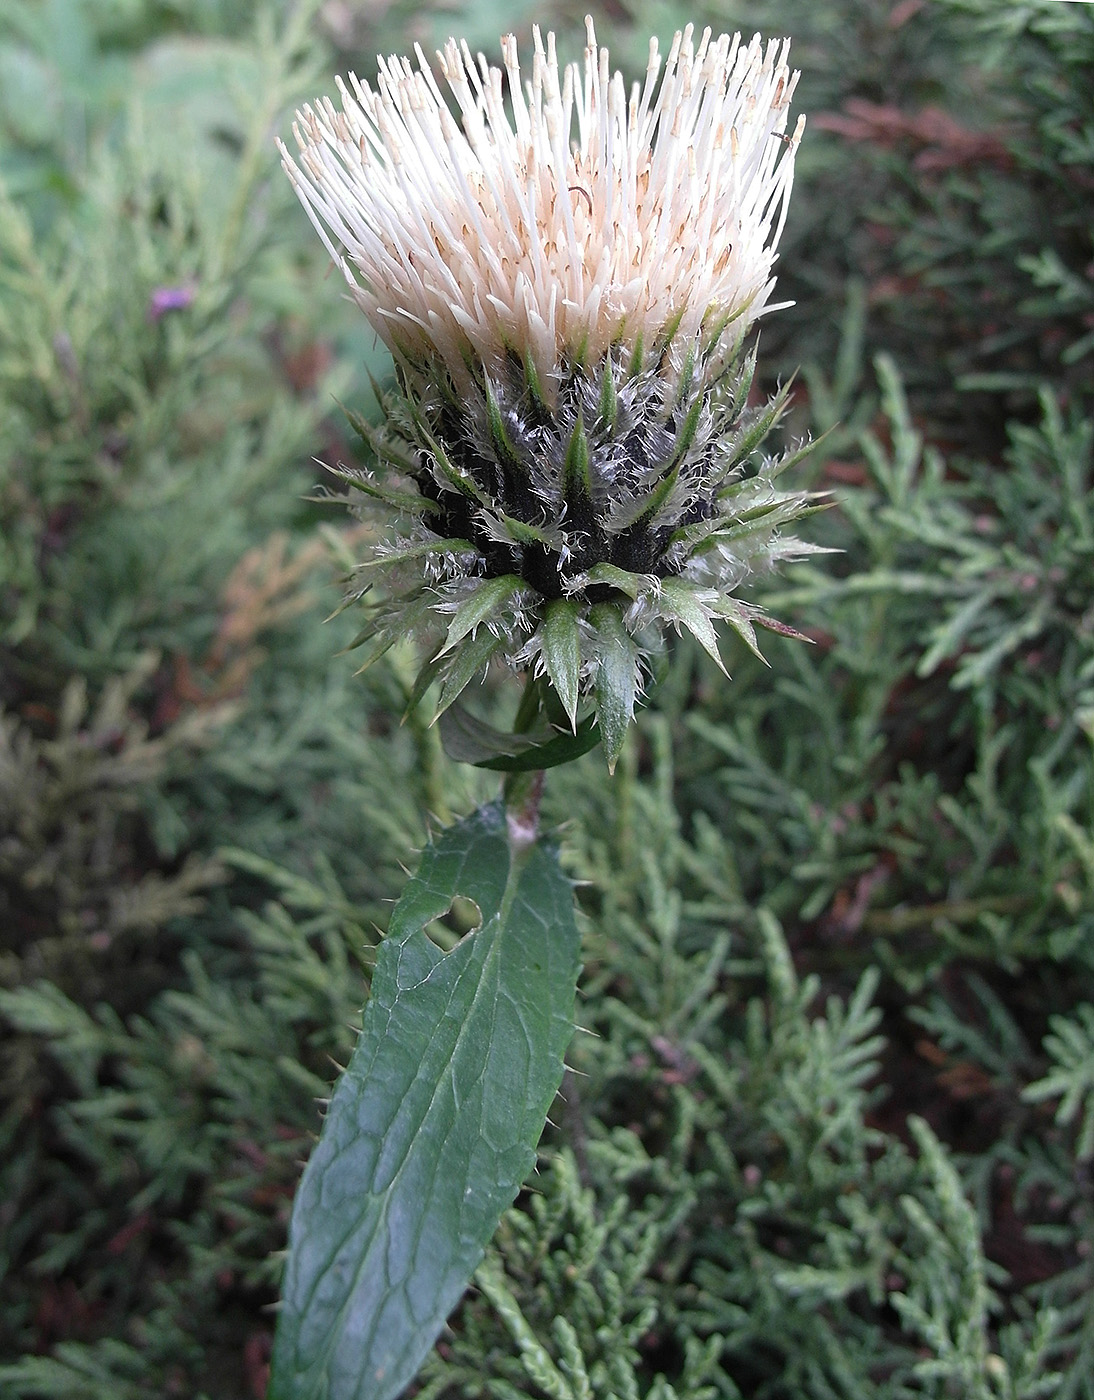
{"x":568,"y":537}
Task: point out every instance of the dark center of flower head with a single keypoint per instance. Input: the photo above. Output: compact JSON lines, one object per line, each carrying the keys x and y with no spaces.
{"x":600,"y":477}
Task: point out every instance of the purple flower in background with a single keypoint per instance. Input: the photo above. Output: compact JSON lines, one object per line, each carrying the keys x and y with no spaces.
{"x":165,"y":299}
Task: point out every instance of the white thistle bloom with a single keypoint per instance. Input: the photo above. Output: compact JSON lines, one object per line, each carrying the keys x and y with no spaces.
{"x":573,"y":219}
{"x":565,"y":277}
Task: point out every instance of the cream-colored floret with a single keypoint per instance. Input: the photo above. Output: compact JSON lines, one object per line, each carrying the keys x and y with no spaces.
{"x":560,"y":215}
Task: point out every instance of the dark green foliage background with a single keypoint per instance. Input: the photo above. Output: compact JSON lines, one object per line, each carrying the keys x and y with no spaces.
{"x":832,"y":1132}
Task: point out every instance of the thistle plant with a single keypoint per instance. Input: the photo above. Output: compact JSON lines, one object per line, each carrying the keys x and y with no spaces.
{"x":566,"y":274}
{"x":565,"y":282}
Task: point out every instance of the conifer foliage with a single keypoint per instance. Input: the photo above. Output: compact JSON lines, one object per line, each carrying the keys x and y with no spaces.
{"x":827,"y":1130}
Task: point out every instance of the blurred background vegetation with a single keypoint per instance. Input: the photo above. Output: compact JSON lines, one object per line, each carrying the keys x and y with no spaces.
{"x":832,"y":1132}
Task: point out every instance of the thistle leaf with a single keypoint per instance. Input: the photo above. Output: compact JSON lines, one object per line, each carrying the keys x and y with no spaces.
{"x":690,"y":426}
{"x":562,"y":653}
{"x":794,"y":455}
{"x":658,"y":496}
{"x":781,"y":629}
{"x":531,"y":378}
{"x":730,"y":525}
{"x":404,"y":502}
{"x":427,"y":674}
{"x":433,"y":1127}
{"x":743,"y":384}
{"x":645,"y":508}
{"x":608,"y":410}
{"x":380,"y":641}
{"x":552,"y":753}
{"x":380,"y":445}
{"x":507,"y":530}
{"x":487,"y":600}
{"x":714,"y":335}
{"x":679,"y":602}
{"x":419,"y":549}
{"x":470,"y":740}
{"x":499,"y":436}
{"x":687,"y":374}
{"x":668,"y":334}
{"x":741,"y":618}
{"x":468,"y":661}
{"x":638,"y":356}
{"x":387,"y":626}
{"x":454,"y":476}
{"x":633,"y":585}
{"x":576,"y":485}
{"x":765,"y":420}
{"x":616,"y":679}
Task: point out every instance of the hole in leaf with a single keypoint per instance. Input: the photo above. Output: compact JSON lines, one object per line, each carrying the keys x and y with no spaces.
{"x":463,"y":917}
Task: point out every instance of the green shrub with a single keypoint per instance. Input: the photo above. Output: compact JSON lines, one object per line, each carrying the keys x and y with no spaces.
{"x":829,"y":1132}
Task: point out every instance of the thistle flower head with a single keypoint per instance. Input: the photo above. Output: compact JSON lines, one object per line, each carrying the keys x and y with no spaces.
{"x":564,"y":273}
{"x":576,"y":219}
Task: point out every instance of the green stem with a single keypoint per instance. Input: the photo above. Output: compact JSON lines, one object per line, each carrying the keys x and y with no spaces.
{"x":522,"y":791}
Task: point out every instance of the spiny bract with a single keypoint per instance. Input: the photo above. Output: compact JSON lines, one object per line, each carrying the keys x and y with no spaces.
{"x":565,"y":283}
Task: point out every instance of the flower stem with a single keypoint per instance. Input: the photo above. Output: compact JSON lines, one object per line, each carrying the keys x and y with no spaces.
{"x":522,"y":791}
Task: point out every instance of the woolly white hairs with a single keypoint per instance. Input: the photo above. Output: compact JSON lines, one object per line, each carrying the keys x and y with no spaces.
{"x":520,"y":233}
